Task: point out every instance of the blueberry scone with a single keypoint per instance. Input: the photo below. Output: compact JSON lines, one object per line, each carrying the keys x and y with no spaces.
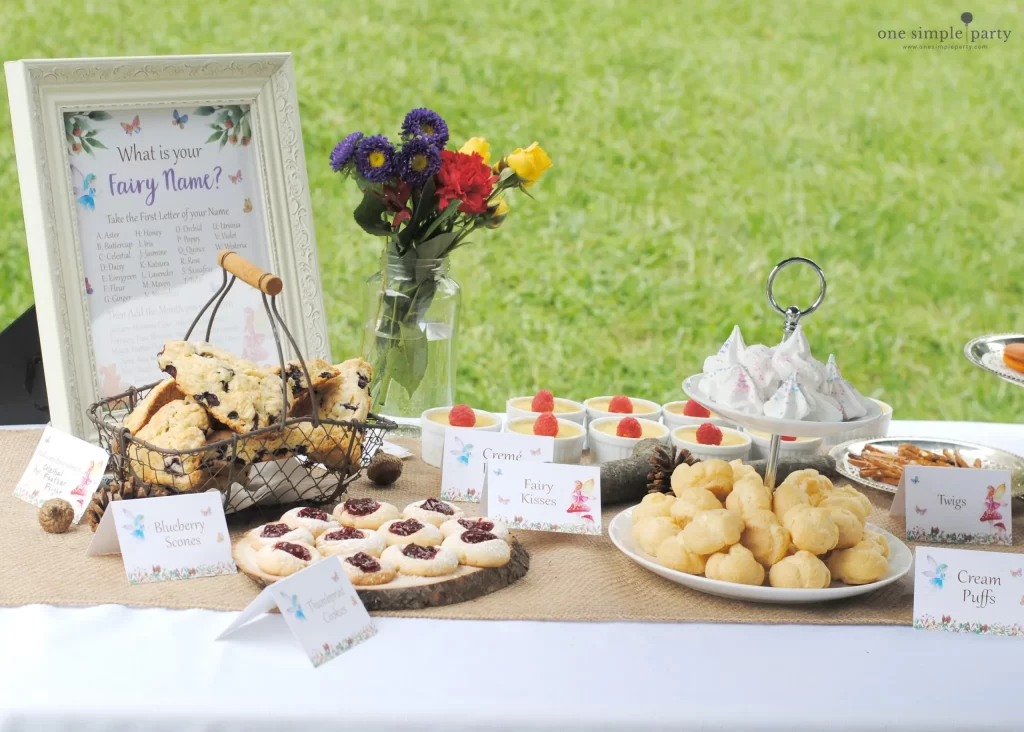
{"x":344,"y":398}
{"x":165,"y":392}
{"x":179,"y":425}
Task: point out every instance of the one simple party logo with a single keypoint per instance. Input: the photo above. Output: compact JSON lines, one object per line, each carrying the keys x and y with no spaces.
{"x":972,"y":34}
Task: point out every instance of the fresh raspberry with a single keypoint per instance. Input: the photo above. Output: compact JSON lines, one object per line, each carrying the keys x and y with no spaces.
{"x":543,"y":402}
{"x":696,"y":409}
{"x":461,"y":416}
{"x":708,"y":434}
{"x":629,"y":427}
{"x":546,"y":425}
{"x":787,"y":438}
{"x":620,"y":405}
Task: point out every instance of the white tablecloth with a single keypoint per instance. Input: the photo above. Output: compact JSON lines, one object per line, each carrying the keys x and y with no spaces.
{"x":113,"y":668}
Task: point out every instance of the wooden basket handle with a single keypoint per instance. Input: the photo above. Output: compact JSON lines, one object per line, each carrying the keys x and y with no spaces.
{"x":249,"y":273}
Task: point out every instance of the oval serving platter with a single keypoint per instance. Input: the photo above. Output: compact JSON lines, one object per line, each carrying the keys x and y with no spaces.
{"x":986,"y":353}
{"x":991,"y":457}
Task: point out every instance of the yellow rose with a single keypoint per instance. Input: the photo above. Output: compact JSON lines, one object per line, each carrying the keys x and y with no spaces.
{"x":502,"y":209}
{"x":529,"y":164}
{"x":498,"y":215}
{"x":477,"y":145}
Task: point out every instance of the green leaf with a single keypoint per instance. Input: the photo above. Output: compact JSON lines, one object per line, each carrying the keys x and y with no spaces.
{"x":436,"y":247}
{"x":96,"y":143}
{"x":204,"y":111}
{"x":446,"y":215}
{"x":91,"y":133}
{"x":371,"y":215}
{"x":407,"y":359}
{"x":215,"y":136}
{"x":100,"y":115}
{"x":506,"y":174}
{"x":246,"y":128}
{"x":426,"y":204}
{"x":223,"y":115}
{"x":236,"y":112}
{"x":224,"y":139}
{"x":69,"y":123}
{"x":71,"y":138}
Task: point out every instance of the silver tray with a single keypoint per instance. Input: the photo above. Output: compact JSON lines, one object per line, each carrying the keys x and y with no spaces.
{"x":991,"y":457}
{"x":986,"y":352}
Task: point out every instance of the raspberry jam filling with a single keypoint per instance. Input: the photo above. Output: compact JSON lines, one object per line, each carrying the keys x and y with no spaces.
{"x":297,"y":551}
{"x":272,"y":531}
{"x":312,"y":513}
{"x":361,"y":506}
{"x":476,"y":536}
{"x":405,"y":528}
{"x":432,"y":504}
{"x":364,"y":561}
{"x":479,"y":524}
{"x":415,"y":551}
{"x":344,"y":533}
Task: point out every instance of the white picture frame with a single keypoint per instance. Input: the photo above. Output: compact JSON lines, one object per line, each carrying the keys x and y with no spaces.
{"x":42,"y":92}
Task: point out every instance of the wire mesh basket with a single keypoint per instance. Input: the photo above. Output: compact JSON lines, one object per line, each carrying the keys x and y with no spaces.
{"x":299,"y":456}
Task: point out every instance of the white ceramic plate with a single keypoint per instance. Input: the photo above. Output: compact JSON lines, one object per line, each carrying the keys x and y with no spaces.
{"x":621,"y":533}
{"x":792,"y":427}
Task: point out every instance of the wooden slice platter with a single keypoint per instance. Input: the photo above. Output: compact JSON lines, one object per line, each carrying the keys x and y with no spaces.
{"x":406,"y":592}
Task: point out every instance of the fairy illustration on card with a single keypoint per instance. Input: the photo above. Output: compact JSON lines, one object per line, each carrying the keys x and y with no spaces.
{"x":582,"y":492}
{"x":993,"y":502}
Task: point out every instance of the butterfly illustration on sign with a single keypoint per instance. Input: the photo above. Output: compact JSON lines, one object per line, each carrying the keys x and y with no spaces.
{"x":247,"y":206}
{"x":295,"y":608}
{"x":497,"y":471}
{"x":920,"y":510}
{"x":464,"y":452}
{"x":132,"y":128}
{"x":236,"y":177}
{"x":206,"y":511}
{"x":916,"y":479}
{"x":1016,"y":572}
{"x":334,"y":577}
{"x":993,"y":499}
{"x":536,"y":452}
{"x":937,"y":574}
{"x":503,"y":501}
{"x":583,"y":491}
{"x":87,"y":193}
{"x":178,"y":120}
{"x":220,"y":538}
{"x":136,"y":527}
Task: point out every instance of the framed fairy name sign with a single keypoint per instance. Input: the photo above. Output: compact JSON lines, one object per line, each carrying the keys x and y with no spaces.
{"x":134,"y":173}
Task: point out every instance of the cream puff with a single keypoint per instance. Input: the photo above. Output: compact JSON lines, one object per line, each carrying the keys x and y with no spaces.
{"x":422,"y":561}
{"x":261,"y":536}
{"x":346,"y":541}
{"x":476,"y":548}
{"x":649,"y":533}
{"x":364,"y":569}
{"x":737,"y":565}
{"x":432,"y":511}
{"x":284,"y":558}
{"x":314,"y":520}
{"x":802,"y":571}
{"x":399,"y":532}
{"x":484,"y":523}
{"x":712,"y":531}
{"x":364,"y":513}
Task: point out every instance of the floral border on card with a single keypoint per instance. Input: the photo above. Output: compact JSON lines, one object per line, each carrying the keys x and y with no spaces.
{"x":333,"y":651}
{"x":157,"y":573}
{"x":519,"y":523}
{"x":920,"y":535}
{"x":468,"y":496}
{"x":952,"y":625}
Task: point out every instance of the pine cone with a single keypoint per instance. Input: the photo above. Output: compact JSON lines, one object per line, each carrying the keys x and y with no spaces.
{"x":115,"y":490}
{"x":663,"y":462}
{"x":384,"y":469}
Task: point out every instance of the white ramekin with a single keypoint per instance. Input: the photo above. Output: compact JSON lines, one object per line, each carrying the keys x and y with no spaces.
{"x":879,"y":428}
{"x":605,"y":447}
{"x":578,"y":415}
{"x":801,"y":448}
{"x":593,"y":414}
{"x":708,"y":452}
{"x":432,"y":434}
{"x":678,"y":419}
{"x":567,"y":449}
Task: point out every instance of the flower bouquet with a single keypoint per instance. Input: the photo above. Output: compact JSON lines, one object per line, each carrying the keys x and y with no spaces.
{"x":426,"y":200}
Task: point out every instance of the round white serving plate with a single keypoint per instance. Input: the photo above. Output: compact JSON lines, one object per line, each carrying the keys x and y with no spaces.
{"x":620,"y":530}
{"x":790,"y":427}
{"x":986,"y":352}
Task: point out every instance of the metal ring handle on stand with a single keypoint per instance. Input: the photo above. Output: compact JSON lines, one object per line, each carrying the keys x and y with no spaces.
{"x":792,"y":314}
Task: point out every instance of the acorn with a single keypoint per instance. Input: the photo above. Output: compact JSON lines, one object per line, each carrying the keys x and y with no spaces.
{"x":56,"y":516}
{"x":384,"y":469}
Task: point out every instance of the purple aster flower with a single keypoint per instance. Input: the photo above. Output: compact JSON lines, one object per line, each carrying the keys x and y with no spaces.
{"x":375,"y":159}
{"x":418,"y":161}
{"x":425,"y":123}
{"x":342,"y":152}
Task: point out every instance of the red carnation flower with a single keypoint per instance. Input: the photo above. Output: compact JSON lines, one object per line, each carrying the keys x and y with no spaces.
{"x":464,"y":178}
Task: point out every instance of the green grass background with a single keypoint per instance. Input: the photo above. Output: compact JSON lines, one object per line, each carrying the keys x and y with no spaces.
{"x":695,"y":144}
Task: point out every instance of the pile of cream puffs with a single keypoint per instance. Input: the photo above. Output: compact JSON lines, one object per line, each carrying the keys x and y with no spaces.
{"x":376,"y":543}
{"x":721,"y":521}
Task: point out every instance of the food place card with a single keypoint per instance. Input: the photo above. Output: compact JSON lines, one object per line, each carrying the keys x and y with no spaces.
{"x":62,"y":467}
{"x":321,"y":608}
{"x":467,"y":452}
{"x":171,"y":538}
{"x":965,"y":591}
{"x":955,"y":505}
{"x":544,"y":496}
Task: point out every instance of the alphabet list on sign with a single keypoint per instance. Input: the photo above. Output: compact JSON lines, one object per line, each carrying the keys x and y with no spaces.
{"x":157,"y":193}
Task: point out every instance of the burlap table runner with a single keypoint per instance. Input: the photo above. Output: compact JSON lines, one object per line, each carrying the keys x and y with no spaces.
{"x":570,"y":577}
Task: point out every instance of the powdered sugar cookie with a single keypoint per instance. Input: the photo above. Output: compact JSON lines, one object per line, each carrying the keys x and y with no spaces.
{"x":410,"y":531}
{"x":476,"y":548}
{"x":346,"y":541}
{"x":314,"y":520}
{"x":422,"y":561}
{"x":364,"y":513}
{"x":261,"y":536}
{"x":494,"y":526}
{"x":432,"y":511}
{"x":363,"y":569}
{"x":284,"y":558}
